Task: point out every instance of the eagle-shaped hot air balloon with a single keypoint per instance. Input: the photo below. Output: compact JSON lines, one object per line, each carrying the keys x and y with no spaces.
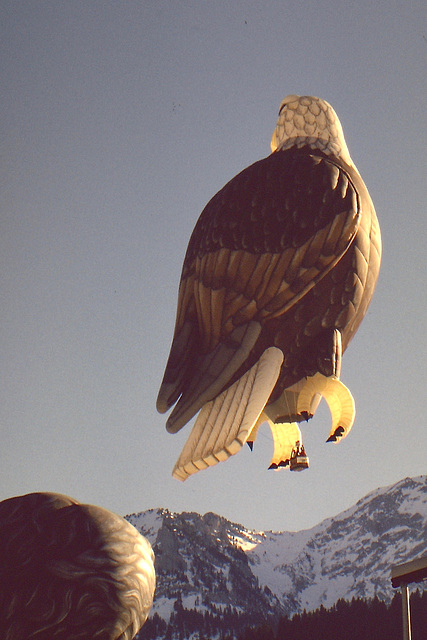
{"x":278,"y":275}
{"x":71,"y":571}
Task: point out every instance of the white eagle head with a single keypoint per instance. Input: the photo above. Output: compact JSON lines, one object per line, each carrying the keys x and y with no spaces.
{"x":307,"y":120}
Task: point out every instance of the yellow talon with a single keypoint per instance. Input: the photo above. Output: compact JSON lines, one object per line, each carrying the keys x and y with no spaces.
{"x":339,"y":399}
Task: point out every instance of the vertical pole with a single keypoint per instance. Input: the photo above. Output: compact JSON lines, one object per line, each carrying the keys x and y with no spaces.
{"x":406,"y":613}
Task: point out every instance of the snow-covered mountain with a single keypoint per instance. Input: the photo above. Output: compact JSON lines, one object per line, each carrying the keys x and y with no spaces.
{"x":210,"y":564}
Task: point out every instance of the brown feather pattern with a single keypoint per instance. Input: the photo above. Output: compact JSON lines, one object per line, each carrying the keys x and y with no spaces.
{"x":289,"y":247}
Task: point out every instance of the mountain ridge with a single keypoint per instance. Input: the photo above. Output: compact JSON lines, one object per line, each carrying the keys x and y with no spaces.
{"x":207,"y":563}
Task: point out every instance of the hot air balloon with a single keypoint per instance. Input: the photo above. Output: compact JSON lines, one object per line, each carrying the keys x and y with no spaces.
{"x":71,"y":571}
{"x":278,"y":275}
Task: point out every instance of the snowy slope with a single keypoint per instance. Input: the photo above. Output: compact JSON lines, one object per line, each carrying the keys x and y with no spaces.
{"x":210,"y":562}
{"x":348,"y":555}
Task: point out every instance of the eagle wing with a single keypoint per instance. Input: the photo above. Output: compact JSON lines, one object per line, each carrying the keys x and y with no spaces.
{"x":259,"y":246}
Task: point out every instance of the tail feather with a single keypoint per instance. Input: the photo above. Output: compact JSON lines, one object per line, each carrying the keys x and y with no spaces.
{"x":214,"y":371}
{"x":224,"y":424}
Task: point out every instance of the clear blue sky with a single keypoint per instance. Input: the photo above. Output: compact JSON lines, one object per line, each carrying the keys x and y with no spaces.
{"x":120,"y":120}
